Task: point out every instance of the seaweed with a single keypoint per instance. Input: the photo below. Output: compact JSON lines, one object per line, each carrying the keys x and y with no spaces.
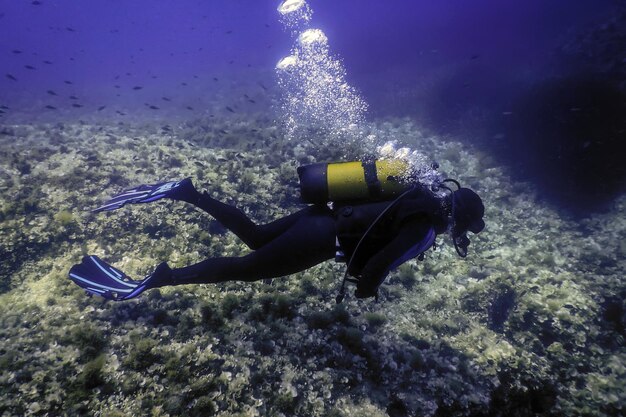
{"x":142,"y":354}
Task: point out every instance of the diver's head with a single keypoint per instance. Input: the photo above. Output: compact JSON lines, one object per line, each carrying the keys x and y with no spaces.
{"x":468,"y":212}
{"x":467,"y":215}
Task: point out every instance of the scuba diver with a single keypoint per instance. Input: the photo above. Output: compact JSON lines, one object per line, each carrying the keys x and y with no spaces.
{"x":362,"y":213}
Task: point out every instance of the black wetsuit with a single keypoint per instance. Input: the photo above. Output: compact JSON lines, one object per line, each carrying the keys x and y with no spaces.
{"x":309,"y":236}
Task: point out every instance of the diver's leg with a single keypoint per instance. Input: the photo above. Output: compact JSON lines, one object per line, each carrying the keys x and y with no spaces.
{"x":235,"y":220}
{"x":309,"y":241}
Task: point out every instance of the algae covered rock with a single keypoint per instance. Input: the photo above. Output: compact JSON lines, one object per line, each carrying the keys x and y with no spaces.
{"x":531,"y":323}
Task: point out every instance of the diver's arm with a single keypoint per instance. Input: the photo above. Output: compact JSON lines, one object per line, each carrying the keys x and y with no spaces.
{"x":415,"y":236}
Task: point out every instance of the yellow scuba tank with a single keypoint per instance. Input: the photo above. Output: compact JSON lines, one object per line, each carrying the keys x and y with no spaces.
{"x":349,"y":181}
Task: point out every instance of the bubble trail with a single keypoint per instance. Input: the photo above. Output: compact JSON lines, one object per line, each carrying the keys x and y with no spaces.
{"x":315,"y":93}
{"x":317,"y":103}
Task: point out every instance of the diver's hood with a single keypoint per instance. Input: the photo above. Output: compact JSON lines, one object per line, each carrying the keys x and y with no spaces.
{"x":468,"y":211}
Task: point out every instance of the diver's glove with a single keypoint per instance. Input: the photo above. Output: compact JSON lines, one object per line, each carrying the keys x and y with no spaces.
{"x":97,"y":277}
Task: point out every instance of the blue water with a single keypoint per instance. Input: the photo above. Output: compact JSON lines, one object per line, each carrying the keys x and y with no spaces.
{"x":385,"y":47}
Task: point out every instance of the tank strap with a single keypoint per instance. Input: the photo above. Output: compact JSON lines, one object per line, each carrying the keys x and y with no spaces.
{"x":371,"y":178}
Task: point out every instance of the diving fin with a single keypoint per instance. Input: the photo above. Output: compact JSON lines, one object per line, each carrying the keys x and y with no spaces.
{"x":147,"y":193}
{"x":97,"y":277}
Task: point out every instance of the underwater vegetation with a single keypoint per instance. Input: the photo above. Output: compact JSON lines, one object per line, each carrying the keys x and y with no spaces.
{"x":531,"y":323}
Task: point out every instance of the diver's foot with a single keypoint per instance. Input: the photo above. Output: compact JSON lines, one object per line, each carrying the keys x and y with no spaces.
{"x":99,"y":278}
{"x":182,"y":190}
{"x":161,"y":277}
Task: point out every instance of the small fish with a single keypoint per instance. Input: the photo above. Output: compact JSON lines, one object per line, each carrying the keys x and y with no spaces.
{"x":35,"y":3}
{"x":507,"y":113}
{"x":116,"y":86}
{"x":68,"y":82}
{"x":222,"y":131}
{"x":230,"y":109}
{"x":154,"y":77}
{"x":101,"y":108}
{"x":167,"y":128}
{"x":267,"y":25}
{"x":262,"y":86}
{"x":183,"y":84}
{"x":10,"y":77}
{"x":165,"y":99}
{"x":69,"y":29}
{"x":4,"y":107}
{"x":475,"y":57}
{"x":16,"y":51}
{"x":215,"y":79}
{"x":77,"y":105}
{"x":231,"y":61}
{"x":73,"y":98}
{"x":251,"y":101}
{"x":228,"y":32}
{"x":52,"y":93}
{"x":154,"y":107}
{"x":30,"y":67}
{"x":137,"y":87}
{"x":47,"y":62}
{"x":120,"y":113}
{"x":189,"y":108}
{"x":51,"y":107}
